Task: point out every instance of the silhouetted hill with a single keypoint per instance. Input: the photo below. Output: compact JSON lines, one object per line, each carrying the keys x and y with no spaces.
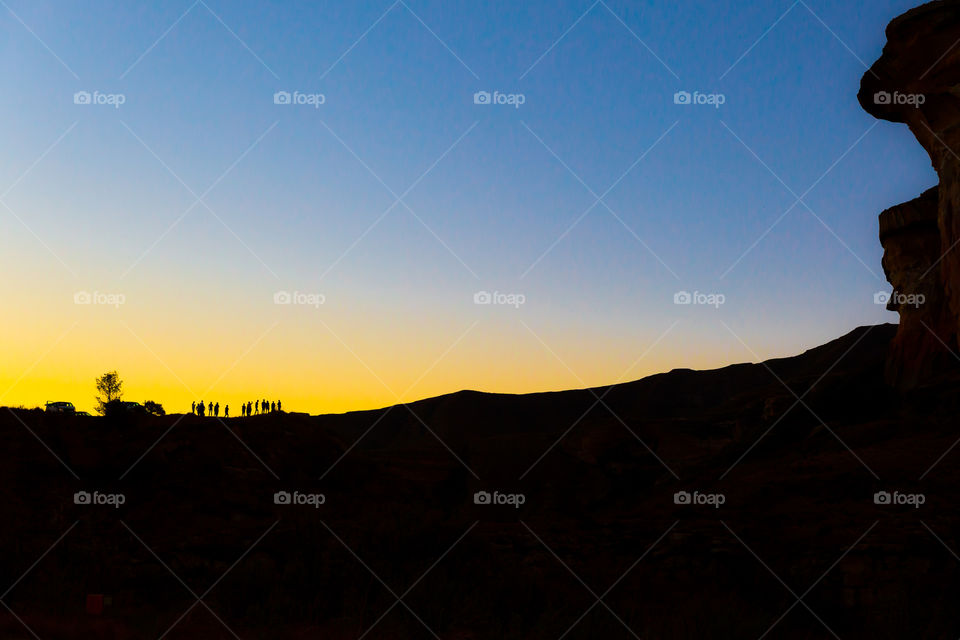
{"x":598,"y":481}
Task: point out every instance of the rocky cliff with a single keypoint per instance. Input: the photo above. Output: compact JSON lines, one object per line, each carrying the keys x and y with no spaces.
{"x":916,"y":81}
{"x":911,"y":240}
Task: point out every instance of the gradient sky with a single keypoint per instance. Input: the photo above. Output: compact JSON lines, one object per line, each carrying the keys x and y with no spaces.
{"x":297,"y":198}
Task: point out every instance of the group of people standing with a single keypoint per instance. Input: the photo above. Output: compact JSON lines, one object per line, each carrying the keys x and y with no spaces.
{"x":246,"y":409}
{"x":260,"y":406}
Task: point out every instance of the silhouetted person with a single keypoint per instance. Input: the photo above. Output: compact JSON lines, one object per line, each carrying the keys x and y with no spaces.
{"x":249,"y":409}
{"x":216,"y":410}
{"x":273,"y":407}
{"x":193,"y":407}
{"x":210,"y":409}
{"x":279,"y":406}
{"x":256,"y":407}
{"x":226,"y":411}
{"x":200,"y":408}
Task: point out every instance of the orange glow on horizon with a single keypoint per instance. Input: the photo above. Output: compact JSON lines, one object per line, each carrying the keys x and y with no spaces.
{"x":335,"y":367}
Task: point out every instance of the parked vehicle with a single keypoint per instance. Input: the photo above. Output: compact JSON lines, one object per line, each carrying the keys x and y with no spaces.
{"x":60,"y":407}
{"x":121,"y":407}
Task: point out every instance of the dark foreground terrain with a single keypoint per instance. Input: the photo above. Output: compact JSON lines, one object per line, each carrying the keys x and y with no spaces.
{"x":599,"y":548}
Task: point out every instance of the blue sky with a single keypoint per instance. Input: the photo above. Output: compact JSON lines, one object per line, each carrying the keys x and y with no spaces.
{"x":296,"y":190}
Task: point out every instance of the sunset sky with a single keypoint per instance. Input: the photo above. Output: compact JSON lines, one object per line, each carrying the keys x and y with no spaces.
{"x":199,"y":198}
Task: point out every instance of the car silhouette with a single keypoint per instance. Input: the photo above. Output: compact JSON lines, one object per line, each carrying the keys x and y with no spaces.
{"x":121,"y":407}
{"x":60,"y":407}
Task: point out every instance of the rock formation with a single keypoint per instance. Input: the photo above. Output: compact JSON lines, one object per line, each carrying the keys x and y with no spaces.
{"x":911,"y":240}
{"x":916,"y":81}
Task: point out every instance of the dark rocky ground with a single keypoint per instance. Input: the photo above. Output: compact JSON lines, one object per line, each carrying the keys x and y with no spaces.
{"x":599,"y":518}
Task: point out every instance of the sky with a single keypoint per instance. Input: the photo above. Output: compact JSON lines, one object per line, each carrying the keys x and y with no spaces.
{"x":348,"y":205}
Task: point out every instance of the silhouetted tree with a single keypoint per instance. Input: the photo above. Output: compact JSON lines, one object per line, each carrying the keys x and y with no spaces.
{"x":109,"y":390}
{"x":154,"y":408}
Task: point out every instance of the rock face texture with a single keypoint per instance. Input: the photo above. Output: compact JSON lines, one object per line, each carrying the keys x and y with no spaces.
{"x":916,"y":81}
{"x":912,"y":244}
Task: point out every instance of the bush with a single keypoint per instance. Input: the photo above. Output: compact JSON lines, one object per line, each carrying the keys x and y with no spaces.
{"x":154,"y":408}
